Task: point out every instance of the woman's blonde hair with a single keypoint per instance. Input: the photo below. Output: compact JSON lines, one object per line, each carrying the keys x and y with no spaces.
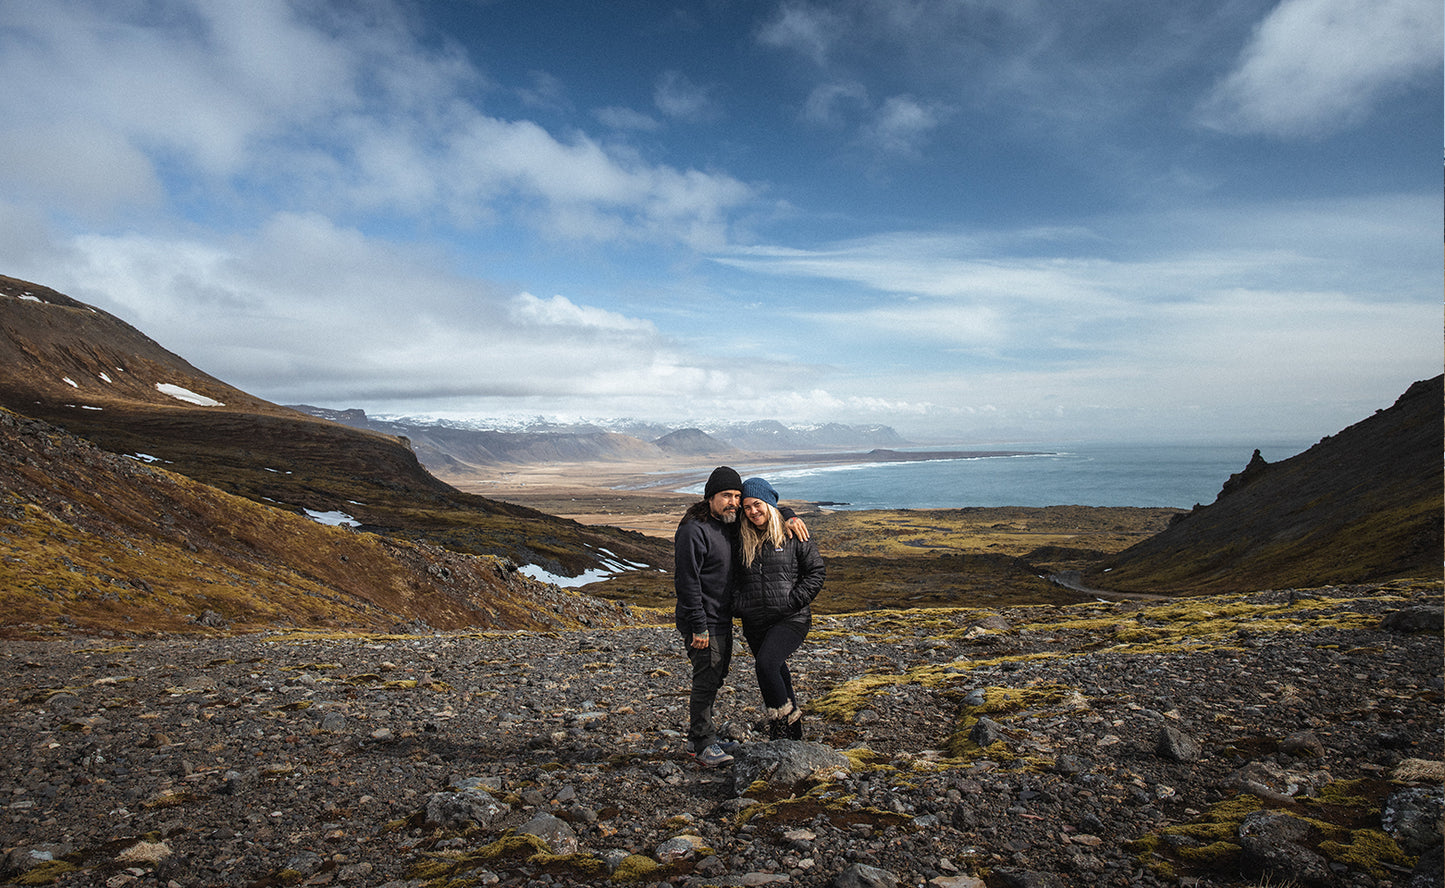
{"x":753,"y":539}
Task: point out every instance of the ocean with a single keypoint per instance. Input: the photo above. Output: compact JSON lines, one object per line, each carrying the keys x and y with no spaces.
{"x":1173,"y":475}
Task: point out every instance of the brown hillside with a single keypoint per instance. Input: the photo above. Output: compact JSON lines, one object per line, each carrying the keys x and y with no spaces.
{"x":95,"y":542}
{"x":1363,"y":505}
{"x":95,"y":376}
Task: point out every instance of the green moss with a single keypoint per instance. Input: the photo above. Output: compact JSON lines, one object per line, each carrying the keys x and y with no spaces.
{"x":1214,"y":854}
{"x":582,"y":864}
{"x":524,"y":846}
{"x":635,"y":868}
{"x":46,"y":873}
{"x":1001,"y":702}
{"x":1367,"y":849}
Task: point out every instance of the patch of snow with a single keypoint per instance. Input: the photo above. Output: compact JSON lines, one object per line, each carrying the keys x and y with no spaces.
{"x":88,"y":407}
{"x":70,"y":382}
{"x":145,"y":457}
{"x":184,"y":394}
{"x":611,"y":566}
{"x":30,"y":297}
{"x":105,"y":377}
{"x":333,"y":519}
{"x":588,"y":576}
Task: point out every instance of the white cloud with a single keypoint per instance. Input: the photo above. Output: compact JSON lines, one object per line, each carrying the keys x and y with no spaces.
{"x":560,"y":311}
{"x":902,"y":124}
{"x":304,"y":310}
{"x":1314,"y":66}
{"x":678,"y":97}
{"x":805,"y":29}
{"x":347,"y":114}
{"x":828,"y":104}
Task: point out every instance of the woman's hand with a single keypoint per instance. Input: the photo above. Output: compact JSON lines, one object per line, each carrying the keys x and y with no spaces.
{"x":797,"y":529}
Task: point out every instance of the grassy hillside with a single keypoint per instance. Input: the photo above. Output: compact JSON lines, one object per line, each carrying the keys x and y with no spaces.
{"x":95,"y":542}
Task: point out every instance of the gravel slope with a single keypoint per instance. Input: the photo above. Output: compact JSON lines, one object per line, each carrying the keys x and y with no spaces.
{"x":1103,"y":744}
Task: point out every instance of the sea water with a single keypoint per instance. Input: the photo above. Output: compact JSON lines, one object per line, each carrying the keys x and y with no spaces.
{"x":1173,"y":475}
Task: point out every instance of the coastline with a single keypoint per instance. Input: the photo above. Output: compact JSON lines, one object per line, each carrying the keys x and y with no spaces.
{"x":642,"y":495}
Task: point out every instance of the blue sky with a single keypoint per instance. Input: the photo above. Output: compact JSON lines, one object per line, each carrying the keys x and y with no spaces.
{"x":974,"y":220}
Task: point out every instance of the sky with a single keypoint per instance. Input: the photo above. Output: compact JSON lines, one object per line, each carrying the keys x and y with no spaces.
{"x":971,"y":220}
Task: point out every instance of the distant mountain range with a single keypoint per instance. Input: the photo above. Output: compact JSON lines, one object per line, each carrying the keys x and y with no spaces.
{"x":453,"y":449}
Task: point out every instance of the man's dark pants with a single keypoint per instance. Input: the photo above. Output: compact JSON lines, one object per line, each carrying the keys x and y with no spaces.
{"x":709,"y":671}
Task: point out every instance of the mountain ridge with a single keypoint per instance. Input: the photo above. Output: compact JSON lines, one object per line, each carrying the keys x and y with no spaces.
{"x":1362,"y":505}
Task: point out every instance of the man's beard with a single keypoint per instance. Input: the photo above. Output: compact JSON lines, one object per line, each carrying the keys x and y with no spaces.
{"x":729,"y":517}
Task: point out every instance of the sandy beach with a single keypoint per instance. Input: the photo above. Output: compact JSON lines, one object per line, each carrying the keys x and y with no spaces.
{"x":638,"y":496}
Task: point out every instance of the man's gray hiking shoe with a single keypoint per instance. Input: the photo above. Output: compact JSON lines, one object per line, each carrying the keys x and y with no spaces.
{"x":712,"y":757}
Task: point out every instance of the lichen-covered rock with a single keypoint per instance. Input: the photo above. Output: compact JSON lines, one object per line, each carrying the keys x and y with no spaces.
{"x":1413,"y":817}
{"x":1273,"y":840}
{"x":785,"y":763}
{"x":457,"y":810}
{"x":560,"y":837}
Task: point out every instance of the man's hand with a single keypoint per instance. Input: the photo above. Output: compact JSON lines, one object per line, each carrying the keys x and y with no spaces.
{"x":797,"y":529}
{"x":700,"y":642}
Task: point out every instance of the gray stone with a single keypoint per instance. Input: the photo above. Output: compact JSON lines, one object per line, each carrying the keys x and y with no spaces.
{"x":1416,"y":618}
{"x":457,"y":810}
{"x":1412,"y":817}
{"x":861,"y":875}
{"x":784,"y":763}
{"x":986,"y":732}
{"x":1302,"y":744}
{"x":1027,"y":879}
{"x":1173,"y":744}
{"x":554,"y":831}
{"x":1272,"y":841}
{"x":678,"y":848}
{"x":306,"y":863}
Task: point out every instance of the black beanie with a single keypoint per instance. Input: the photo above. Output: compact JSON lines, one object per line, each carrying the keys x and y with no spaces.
{"x":722,"y":478}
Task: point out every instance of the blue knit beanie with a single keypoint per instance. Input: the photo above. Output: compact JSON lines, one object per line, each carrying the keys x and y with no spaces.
{"x":757,"y":488}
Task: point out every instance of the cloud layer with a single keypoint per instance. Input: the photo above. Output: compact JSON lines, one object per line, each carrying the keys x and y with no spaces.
{"x":967,"y":220}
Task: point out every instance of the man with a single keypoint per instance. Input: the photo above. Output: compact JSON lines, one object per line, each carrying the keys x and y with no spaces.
{"x":704,"y":547}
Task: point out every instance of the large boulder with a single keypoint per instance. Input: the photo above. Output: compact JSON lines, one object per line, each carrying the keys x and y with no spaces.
{"x":785,"y":763}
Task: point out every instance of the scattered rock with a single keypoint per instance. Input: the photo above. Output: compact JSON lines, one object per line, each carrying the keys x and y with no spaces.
{"x":560,"y":837}
{"x":1176,"y":746}
{"x":785,"y":763}
{"x":1302,"y":744}
{"x":861,"y":875}
{"x":254,"y":759}
{"x":1416,"y":618}
{"x":1275,"y":841}
{"x":1413,"y":817}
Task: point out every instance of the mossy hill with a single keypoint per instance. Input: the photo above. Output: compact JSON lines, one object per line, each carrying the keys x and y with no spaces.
{"x":1363,"y":505}
{"x":92,"y":375}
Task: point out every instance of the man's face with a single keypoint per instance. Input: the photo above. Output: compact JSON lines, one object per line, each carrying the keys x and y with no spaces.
{"x":724,"y":505}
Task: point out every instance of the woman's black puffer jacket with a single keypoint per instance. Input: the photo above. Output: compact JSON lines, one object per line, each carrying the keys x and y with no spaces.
{"x":780,"y":583}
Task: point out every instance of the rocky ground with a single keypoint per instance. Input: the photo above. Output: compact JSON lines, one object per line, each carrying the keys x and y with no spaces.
{"x":1274,"y":738}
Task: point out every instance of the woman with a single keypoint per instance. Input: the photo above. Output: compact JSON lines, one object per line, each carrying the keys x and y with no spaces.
{"x":778,"y":578}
